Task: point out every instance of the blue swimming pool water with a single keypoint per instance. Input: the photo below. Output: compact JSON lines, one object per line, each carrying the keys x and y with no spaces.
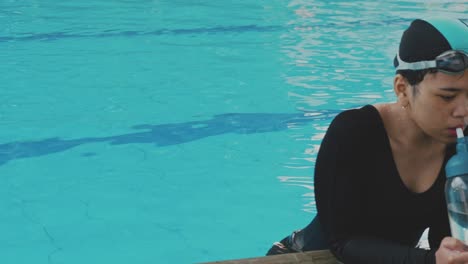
{"x":177,"y":131}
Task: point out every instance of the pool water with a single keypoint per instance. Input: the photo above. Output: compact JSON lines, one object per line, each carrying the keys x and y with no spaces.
{"x":177,"y":131}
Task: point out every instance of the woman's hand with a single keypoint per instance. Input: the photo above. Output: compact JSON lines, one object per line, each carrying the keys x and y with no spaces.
{"x":452,"y":251}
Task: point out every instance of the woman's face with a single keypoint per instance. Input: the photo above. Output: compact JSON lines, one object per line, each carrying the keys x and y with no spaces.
{"x":439,"y":104}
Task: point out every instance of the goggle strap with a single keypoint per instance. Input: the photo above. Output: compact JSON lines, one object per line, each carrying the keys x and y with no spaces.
{"x":415,"y":66}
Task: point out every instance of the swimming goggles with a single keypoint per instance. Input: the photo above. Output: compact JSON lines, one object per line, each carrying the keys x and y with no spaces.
{"x":450,"y":62}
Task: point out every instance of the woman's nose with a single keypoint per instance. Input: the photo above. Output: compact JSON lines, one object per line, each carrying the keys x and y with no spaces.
{"x":461,"y":109}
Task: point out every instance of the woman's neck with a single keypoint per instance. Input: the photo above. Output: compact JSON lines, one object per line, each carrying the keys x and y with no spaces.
{"x":404,"y":132}
{"x":418,"y":157}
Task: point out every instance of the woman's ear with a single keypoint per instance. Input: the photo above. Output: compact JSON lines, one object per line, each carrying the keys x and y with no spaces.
{"x":401,"y":87}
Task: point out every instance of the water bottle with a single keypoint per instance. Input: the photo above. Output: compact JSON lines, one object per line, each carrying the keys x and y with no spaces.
{"x":456,"y":189}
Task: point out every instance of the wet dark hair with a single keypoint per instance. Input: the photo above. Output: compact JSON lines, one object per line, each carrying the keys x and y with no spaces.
{"x":415,"y":77}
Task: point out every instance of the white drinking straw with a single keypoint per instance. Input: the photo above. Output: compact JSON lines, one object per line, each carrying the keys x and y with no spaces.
{"x":460,"y":133}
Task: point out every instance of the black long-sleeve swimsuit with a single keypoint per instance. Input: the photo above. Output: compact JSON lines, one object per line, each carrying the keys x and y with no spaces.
{"x":366,"y":212}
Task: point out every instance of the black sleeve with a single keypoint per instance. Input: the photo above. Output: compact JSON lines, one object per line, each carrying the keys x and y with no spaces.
{"x":439,"y":228}
{"x":340,"y":192}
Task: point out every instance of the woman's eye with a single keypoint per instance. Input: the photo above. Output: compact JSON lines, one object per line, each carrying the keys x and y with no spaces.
{"x":447,"y":97}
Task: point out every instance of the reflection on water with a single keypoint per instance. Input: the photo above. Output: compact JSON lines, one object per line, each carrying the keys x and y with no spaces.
{"x":335,"y":58}
{"x":304,"y":182}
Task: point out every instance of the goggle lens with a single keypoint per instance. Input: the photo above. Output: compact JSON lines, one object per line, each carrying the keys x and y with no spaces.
{"x":452,"y":62}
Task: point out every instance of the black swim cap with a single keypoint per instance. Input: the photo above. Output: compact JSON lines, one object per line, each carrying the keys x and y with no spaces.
{"x":428,"y":38}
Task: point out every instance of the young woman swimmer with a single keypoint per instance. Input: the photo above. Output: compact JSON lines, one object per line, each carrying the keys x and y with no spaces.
{"x":379,"y":174}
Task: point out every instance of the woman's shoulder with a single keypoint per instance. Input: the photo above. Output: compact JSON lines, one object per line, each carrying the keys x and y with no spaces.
{"x":363,"y":118}
{"x":359,"y":129}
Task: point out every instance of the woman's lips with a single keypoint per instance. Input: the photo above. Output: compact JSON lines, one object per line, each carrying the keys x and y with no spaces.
{"x":453,"y":130}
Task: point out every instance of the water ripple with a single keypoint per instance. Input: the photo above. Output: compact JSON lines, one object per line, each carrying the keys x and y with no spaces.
{"x":111,"y":33}
{"x":133,"y":33}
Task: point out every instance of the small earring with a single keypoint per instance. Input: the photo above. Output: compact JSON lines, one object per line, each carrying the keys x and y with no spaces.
{"x":404,"y":106}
